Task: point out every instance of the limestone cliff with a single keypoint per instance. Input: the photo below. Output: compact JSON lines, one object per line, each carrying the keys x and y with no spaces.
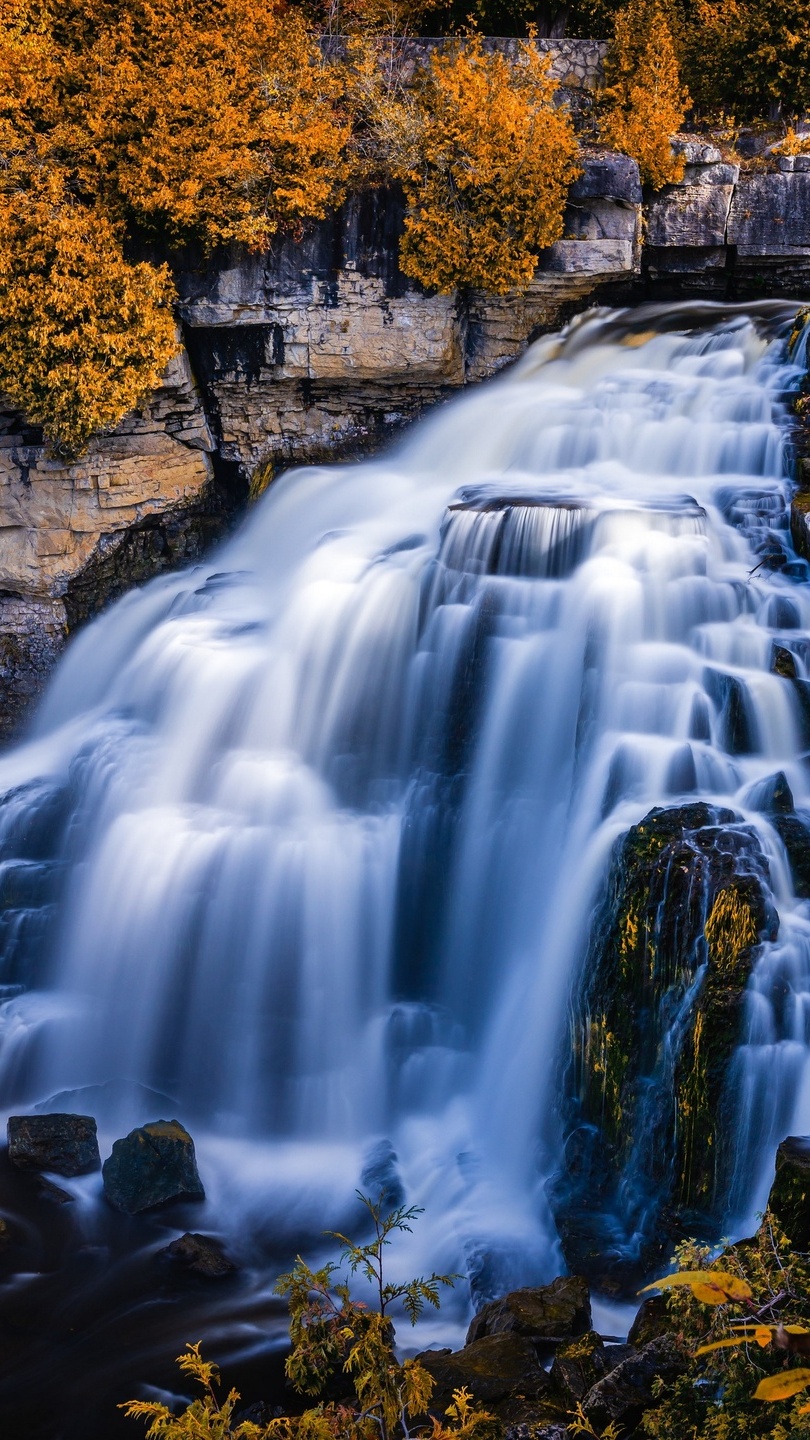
{"x":321,"y":348}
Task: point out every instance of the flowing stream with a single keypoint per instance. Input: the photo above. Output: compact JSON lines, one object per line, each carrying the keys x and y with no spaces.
{"x":304,"y":844}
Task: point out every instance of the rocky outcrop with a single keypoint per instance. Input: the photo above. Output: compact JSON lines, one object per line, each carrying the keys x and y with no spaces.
{"x":614,"y":1383}
{"x":654,"y":1025}
{"x":68,"y":530}
{"x":321,"y":349}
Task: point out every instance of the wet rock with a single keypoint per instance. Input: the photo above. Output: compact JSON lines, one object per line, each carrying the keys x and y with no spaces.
{"x":800,"y":523}
{"x":152,"y":1165}
{"x":794,"y":833}
{"x":48,"y":1191}
{"x":649,"y":1119}
{"x":65,"y":1144}
{"x":651,"y":1321}
{"x":622,"y":1396}
{"x":772,"y":796}
{"x":202,"y":1254}
{"x":541,"y":1312}
{"x":783,"y":663}
{"x":790,"y":1193}
{"x":580,"y":1364}
{"x":380,"y":1178}
{"x":503,"y":1373}
{"x":736,"y":724}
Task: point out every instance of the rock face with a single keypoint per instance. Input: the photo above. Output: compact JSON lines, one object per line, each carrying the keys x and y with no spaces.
{"x":62,"y":525}
{"x":65,"y":1144}
{"x":322,"y":349}
{"x":685,"y":906}
{"x":542,"y":1312}
{"x":790,"y":1193}
{"x":151,"y":1166}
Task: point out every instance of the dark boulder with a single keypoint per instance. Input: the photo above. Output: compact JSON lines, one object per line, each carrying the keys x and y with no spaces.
{"x":580,"y":1363}
{"x":64,"y":1144}
{"x":542,"y":1312}
{"x":151,"y":1166}
{"x":772,"y":796}
{"x":789,"y":1199}
{"x":794,"y":832}
{"x":623,"y":1395}
{"x":783,"y":663}
{"x":201,"y":1254}
{"x":652,"y":1320}
{"x":502,"y":1372}
{"x":649,"y":1117}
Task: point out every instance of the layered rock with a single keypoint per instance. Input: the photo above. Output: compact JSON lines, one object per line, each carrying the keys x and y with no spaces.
{"x":152,"y":478}
{"x":321,"y":349}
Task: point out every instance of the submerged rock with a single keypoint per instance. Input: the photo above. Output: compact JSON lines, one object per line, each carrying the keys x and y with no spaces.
{"x":201,"y":1254}
{"x":655,"y":1022}
{"x":541,"y":1312}
{"x":152,"y":1165}
{"x":65,"y":1144}
{"x":789,"y":1199}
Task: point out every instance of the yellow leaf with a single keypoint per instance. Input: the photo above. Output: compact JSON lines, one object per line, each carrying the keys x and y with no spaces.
{"x":782,"y":1386}
{"x":721,"y":1345}
{"x":713,"y":1287}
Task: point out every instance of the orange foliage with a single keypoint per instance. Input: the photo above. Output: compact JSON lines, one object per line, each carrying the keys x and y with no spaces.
{"x":217,"y":121}
{"x":486,"y":168}
{"x":645,"y":101}
{"x":84,"y":336}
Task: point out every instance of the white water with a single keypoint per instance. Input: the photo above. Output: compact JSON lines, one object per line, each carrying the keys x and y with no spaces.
{"x":341,"y":801}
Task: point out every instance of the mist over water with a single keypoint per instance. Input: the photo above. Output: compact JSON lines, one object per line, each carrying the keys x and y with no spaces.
{"x":319,"y":827}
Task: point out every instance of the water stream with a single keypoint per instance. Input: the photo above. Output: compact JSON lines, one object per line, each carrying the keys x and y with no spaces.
{"x":304,"y":844}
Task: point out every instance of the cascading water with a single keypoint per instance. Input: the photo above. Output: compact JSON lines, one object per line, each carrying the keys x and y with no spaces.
{"x":305,"y":844}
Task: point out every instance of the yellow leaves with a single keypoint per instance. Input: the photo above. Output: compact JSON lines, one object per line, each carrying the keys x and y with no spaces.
{"x":783,"y":1385}
{"x":761,"y":1335}
{"x":487,"y":177}
{"x":84,"y":334}
{"x":646,"y":102}
{"x":713,"y":1287}
{"x":219,"y":122}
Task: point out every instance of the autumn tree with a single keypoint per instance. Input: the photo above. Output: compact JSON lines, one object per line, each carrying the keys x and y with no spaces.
{"x":751,"y":58}
{"x":485,"y":159}
{"x":645,"y":102}
{"x":214,"y":120}
{"x":84,"y":334}
{"x":208,"y":120}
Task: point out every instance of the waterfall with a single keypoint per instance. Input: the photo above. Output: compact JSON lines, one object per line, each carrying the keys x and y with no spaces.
{"x":305,"y":843}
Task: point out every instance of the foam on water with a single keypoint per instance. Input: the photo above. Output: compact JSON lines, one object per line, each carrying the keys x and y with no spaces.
{"x":332,"y":811}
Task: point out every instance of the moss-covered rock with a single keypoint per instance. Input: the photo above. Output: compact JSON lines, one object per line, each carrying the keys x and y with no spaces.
{"x":789,"y":1200}
{"x":151,"y":1166}
{"x":542,"y":1312}
{"x":654,"y":1023}
{"x":504,"y":1374}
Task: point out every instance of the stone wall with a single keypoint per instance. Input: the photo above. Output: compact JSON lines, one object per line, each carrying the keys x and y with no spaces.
{"x":322,"y":349}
